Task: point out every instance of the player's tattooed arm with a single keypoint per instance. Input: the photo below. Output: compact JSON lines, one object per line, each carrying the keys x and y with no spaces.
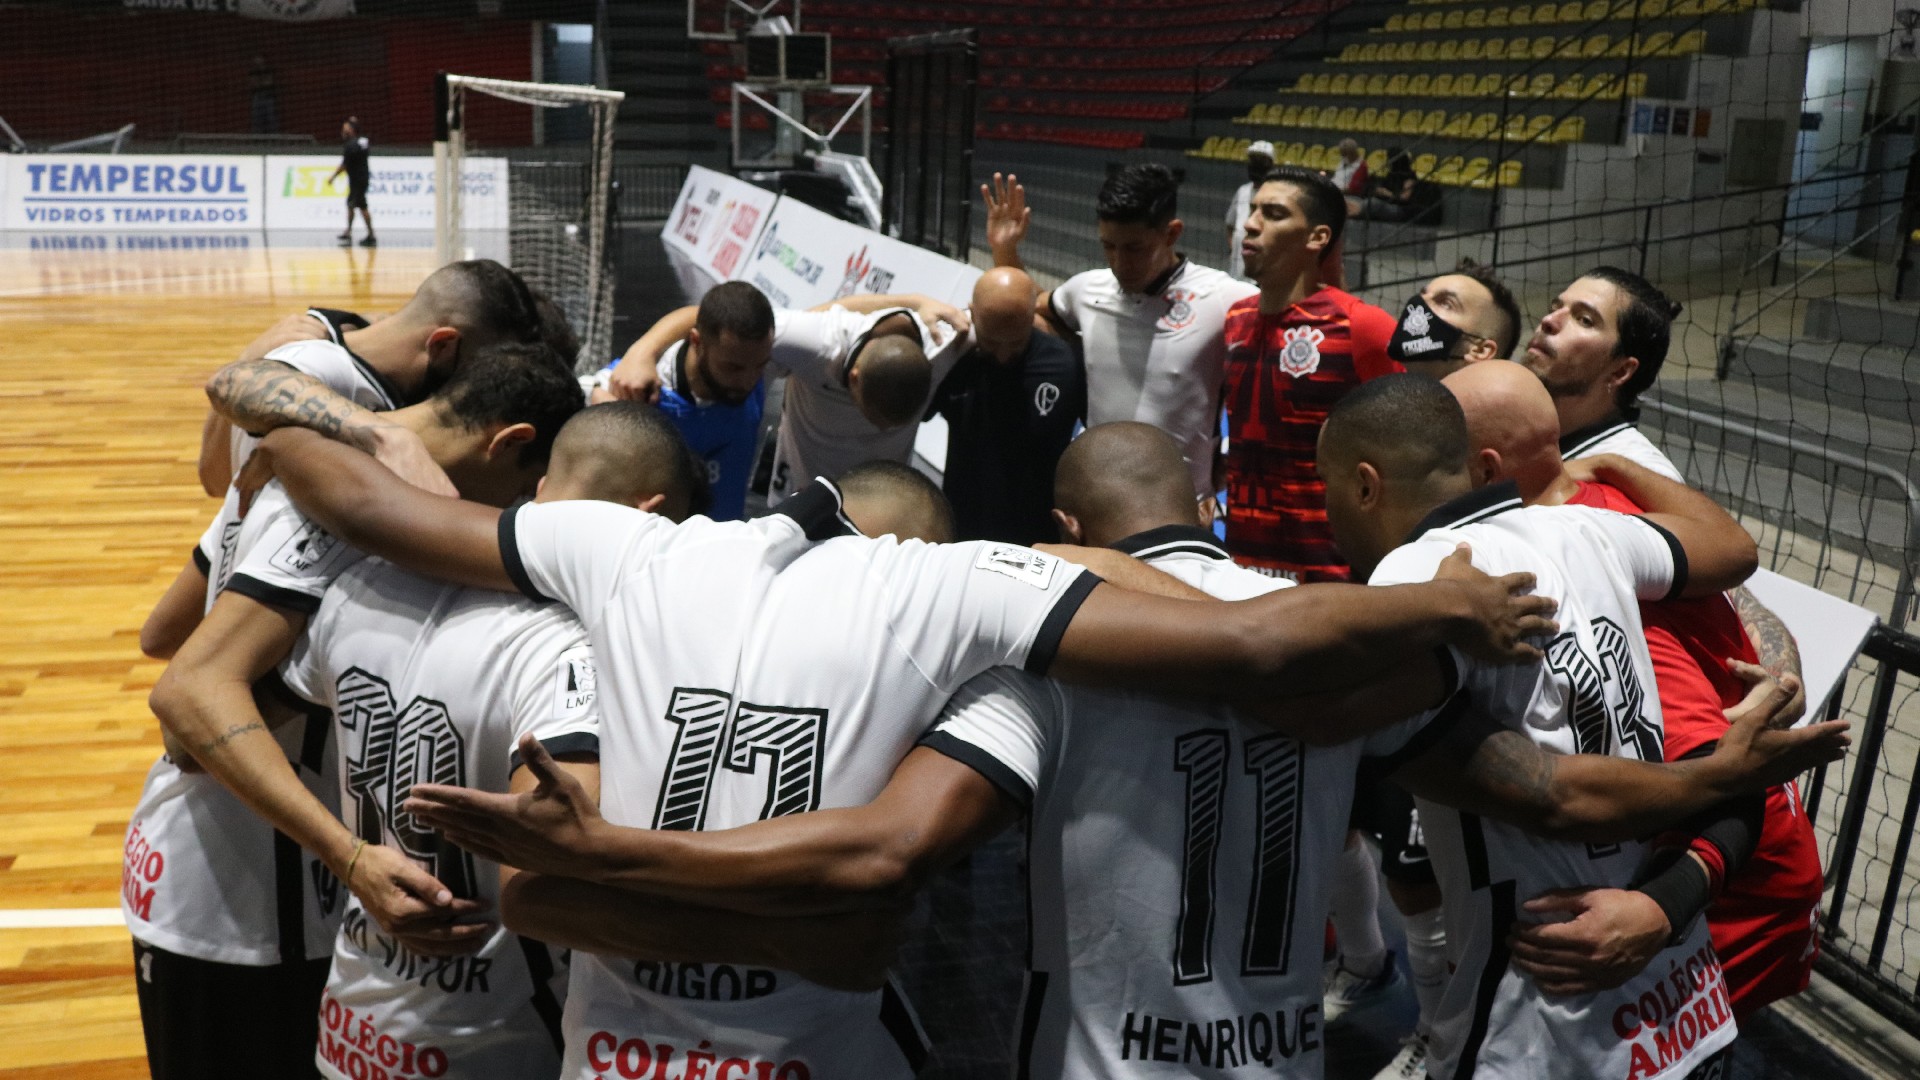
{"x":367,"y":506}
{"x":1480,"y":767}
{"x":1779,"y":653}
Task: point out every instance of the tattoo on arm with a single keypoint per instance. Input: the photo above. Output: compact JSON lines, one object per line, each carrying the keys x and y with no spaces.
{"x":231,"y":734}
{"x":261,"y":395}
{"x":1779,"y":653}
{"x":1510,"y":767}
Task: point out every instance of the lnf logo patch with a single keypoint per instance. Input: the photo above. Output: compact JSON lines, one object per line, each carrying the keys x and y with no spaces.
{"x":308,"y":548}
{"x":1021,"y":564}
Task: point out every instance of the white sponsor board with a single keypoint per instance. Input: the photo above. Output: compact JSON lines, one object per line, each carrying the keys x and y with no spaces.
{"x":805,"y":257}
{"x":716,"y":221}
{"x":303,"y":193}
{"x":1829,"y":631}
{"x":196,"y":193}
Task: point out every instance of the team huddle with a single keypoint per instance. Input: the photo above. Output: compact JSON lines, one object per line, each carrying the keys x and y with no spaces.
{"x":503,"y":743}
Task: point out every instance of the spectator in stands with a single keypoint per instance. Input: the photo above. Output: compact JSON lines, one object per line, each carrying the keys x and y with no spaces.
{"x":1394,"y":198}
{"x":1350,"y":176}
{"x":1293,"y":351}
{"x":1259,"y":163}
{"x":1598,"y":348}
{"x":1011,"y":405}
{"x":1151,"y":326}
{"x":1458,"y":319}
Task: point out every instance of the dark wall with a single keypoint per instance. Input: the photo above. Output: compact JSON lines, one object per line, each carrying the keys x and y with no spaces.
{"x":69,"y":74}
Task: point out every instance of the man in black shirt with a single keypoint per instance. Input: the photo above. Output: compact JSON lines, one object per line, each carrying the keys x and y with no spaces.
{"x":353,"y":162}
{"x":1011,"y":404}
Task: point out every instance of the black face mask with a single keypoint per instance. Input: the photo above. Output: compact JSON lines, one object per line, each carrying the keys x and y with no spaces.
{"x":1423,"y":335}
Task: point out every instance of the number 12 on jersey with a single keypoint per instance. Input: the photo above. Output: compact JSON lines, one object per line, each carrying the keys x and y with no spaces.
{"x":714,"y":732}
{"x":1276,"y":764}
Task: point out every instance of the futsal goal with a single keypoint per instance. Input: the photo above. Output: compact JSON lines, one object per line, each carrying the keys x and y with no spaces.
{"x":559,"y":213}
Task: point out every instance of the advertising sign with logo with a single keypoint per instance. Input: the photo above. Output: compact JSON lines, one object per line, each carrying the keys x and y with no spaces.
{"x":300,"y":195}
{"x":121,"y":192}
{"x":716,"y":221}
{"x":805,"y":257}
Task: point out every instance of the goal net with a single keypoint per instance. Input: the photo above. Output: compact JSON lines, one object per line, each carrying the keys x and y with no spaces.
{"x":558,"y":215}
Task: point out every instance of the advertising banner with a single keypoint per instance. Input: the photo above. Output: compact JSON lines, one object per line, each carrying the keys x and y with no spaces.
{"x":197,"y":193}
{"x":299,"y":194}
{"x":716,"y":220}
{"x":805,"y":257}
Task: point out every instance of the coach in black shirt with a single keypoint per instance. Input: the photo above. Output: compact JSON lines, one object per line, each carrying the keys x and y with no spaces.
{"x":353,"y":162}
{"x":1011,"y":404}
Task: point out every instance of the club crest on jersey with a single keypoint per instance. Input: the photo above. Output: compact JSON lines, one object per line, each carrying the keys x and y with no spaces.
{"x":308,"y":548}
{"x":1021,"y":564}
{"x":1045,"y":397}
{"x":1301,"y":353}
{"x":1179,"y":314}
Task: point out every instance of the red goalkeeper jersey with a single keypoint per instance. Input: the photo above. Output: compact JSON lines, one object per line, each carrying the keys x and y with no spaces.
{"x":1284,"y":373}
{"x":1763,"y":920}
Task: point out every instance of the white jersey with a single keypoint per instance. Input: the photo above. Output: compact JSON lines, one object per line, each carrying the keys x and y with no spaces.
{"x":1239,"y":209}
{"x":748,"y":672}
{"x":1616,"y":435}
{"x":203,"y":876}
{"x":330,"y":361}
{"x":431,"y":683}
{"x":1158,"y":356}
{"x":822,"y":431}
{"x":1594,"y":694}
{"x":1179,"y":861}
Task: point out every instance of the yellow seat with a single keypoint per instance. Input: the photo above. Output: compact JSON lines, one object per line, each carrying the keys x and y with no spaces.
{"x":1483,"y":126}
{"x":1368,"y":120}
{"x":1509,"y":174}
{"x":1409,"y":51}
{"x":1622,"y":11}
{"x":1442,"y":85}
{"x":1376,"y":161}
{"x":1389,"y":121}
{"x":1240,"y":148}
{"x":1396,"y":22}
{"x":1476,"y":18}
{"x":1457,"y":125}
{"x":1369,"y":53}
{"x":1603,"y":86}
{"x":1496,"y":49}
{"x":1255,"y":115}
{"x":1637,"y":84}
{"x":1491,"y":86}
{"x":1520,"y":48}
{"x":1519,"y":15}
{"x":1376,"y":84}
{"x":1348,"y":55}
{"x":1595,"y":46}
{"x":1622,"y":46}
{"x":1540,"y":86}
{"x":1573,"y":11}
{"x":1567,"y":48}
{"x":1543,"y":47}
{"x":1304,"y":84}
{"x":1314,"y":157}
{"x":1296,"y":153}
{"x":1570,"y":129}
{"x":1517,"y":85}
{"x":1498,"y":16}
{"x":1687,"y":44}
{"x":1420,"y":85}
{"x":1322,"y":83}
{"x":1596,"y":10}
{"x":1450,"y":49}
{"x":1423,"y":165}
{"x":1206,"y":148}
{"x":1571,"y":86}
{"x":1434,"y":21}
{"x":1449,"y":170}
{"x":1654,"y":44}
{"x":1397,"y":85}
{"x":1329,"y":117}
{"x":1473,"y":171}
{"x":1652,"y":9}
{"x":1428,"y":50}
{"x":1473,"y":49}
{"x":1686,"y":7}
{"x":1340,"y":83}
{"x":1349,"y":118}
{"x":1410,"y":121}
{"x":1456,"y":20}
{"x":1435,"y":122}
{"x":1539,"y":128}
{"x":1515,"y":129}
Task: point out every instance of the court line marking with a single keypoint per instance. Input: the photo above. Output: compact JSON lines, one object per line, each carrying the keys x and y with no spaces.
{"x":54,"y":918}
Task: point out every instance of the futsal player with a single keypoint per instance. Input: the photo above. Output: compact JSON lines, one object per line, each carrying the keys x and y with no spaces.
{"x":1149,"y":324}
{"x":1180,"y":854}
{"x":1761,"y":860}
{"x":229,"y":918}
{"x":872,"y":636}
{"x":1457,"y":319}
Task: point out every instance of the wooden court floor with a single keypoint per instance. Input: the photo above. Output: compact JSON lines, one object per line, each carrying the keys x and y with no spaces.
{"x":102,"y":354}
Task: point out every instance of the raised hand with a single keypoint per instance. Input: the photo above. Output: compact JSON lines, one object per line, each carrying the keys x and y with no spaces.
{"x":1506,"y":613}
{"x":1007,"y":217}
{"x":547,"y":830}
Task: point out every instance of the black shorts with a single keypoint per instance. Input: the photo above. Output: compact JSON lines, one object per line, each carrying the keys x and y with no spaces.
{"x":356,"y":194}
{"x":203,"y":1019}
{"x":1384,"y":810}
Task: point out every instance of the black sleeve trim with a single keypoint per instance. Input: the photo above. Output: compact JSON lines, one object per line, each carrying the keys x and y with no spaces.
{"x":817,"y":508}
{"x":1679,"y":559}
{"x":1053,"y":308}
{"x":200,"y":560}
{"x":573,"y":742}
{"x":510,"y":555}
{"x":1427,"y":737}
{"x":980,"y":761}
{"x":1046,"y":641}
{"x":275,"y":687}
{"x":274,"y":595}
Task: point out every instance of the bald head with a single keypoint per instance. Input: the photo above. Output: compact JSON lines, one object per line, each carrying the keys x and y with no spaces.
{"x":1512,"y":426}
{"x":1120,"y":479}
{"x":1002,"y":310}
{"x":882,"y":497}
{"x":629,"y":453}
{"x":890,"y":381}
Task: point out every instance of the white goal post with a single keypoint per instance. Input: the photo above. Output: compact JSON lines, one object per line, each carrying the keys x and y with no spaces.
{"x":568,"y":260}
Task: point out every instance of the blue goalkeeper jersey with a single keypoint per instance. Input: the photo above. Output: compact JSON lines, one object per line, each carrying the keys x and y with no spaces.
{"x":723,"y":436}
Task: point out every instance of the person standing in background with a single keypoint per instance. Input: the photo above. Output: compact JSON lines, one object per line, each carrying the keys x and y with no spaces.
{"x":1259,"y":162}
{"x":353,"y":162}
{"x":263,"y":101}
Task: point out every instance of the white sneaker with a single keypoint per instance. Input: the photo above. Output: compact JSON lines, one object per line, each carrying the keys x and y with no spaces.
{"x":1348,"y":989}
{"x":1410,"y":1063}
